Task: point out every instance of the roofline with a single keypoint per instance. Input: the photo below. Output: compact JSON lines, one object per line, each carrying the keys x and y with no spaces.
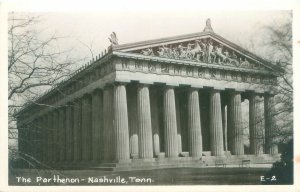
{"x":160,"y":40}
{"x":194,"y":35}
{"x":84,"y":68}
{"x":76,"y":74}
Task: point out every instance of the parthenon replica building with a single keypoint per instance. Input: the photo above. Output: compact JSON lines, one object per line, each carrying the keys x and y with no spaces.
{"x":169,"y":102}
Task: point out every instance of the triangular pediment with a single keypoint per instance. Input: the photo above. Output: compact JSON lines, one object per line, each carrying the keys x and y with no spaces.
{"x":205,"y":47}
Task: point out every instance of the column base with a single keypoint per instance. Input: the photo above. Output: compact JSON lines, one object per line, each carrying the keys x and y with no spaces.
{"x":122,"y":161}
{"x":143,"y":160}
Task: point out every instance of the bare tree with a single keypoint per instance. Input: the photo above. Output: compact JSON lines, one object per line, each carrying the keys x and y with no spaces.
{"x":273,"y":42}
{"x":35,"y":63}
{"x":278,"y":42}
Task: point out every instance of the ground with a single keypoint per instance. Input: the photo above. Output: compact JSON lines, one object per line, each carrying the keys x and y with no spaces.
{"x":174,"y":176}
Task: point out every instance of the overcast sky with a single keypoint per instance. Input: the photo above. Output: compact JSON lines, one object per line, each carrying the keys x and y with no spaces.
{"x":94,"y":28}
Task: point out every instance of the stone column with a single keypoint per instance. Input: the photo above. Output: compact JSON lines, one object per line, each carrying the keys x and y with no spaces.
{"x":77,"y":130}
{"x":37,"y":138}
{"x":194,"y":123}
{"x":108,"y":139}
{"x":269,"y":108}
{"x":45,"y":138}
{"x":236,"y":130}
{"x":253,"y":124}
{"x":121,"y":132}
{"x":50,"y":136}
{"x":61,"y":134}
{"x":69,"y":132}
{"x":86,"y":128}
{"x":27,"y":141}
{"x":171,"y":147}
{"x":55,"y":145}
{"x":155,"y":120}
{"x":97,"y":119}
{"x":178,"y":121}
{"x":20,"y":136}
{"x":30,"y":138}
{"x":144,"y":121}
{"x":216,"y":132}
{"x":133,"y":120}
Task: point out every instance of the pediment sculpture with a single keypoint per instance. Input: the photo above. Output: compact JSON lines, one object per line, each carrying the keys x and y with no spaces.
{"x":201,"y":50}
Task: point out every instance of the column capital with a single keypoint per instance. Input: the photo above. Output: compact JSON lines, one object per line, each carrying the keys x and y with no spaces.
{"x":61,"y":107}
{"x":70,"y":103}
{"x":268,"y":94}
{"x":86,"y":95}
{"x":143,"y":85}
{"x":193,"y":88}
{"x":214,"y":91}
{"x":169,"y":87}
{"x":232,"y":92}
{"x":97,"y":90}
{"x":117,"y":83}
{"x":108,"y":85}
{"x":253,"y":93}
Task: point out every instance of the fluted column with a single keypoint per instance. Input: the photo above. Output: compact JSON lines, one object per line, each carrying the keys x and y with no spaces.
{"x":86,"y":128}
{"x":97,"y":119}
{"x":108,"y":132}
{"x":45,"y":138}
{"x":216,"y":132}
{"x":61,"y":134}
{"x":77,"y":130}
{"x":55,"y":145}
{"x":236,"y":130}
{"x":194,"y":124}
{"x":69,"y":132}
{"x":121,"y":132}
{"x":31,"y":139}
{"x":224,"y":125}
{"x":253,"y":124}
{"x":133,"y":120}
{"x":50,"y":137}
{"x":144,"y":121}
{"x":37,"y":145}
{"x":155,"y":120}
{"x":270,"y":143}
{"x":171,"y":148}
{"x":178,"y":121}
{"x":20,"y":137}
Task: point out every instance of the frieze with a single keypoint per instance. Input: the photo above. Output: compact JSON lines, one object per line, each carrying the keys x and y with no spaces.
{"x":125,"y":64}
{"x":200,"y":72}
{"x":222,"y":75}
{"x":164,"y":68}
{"x":205,"y":50}
{"x":151,"y":67}
{"x":138,"y":66}
{"x":189,"y":71}
{"x":177,"y":70}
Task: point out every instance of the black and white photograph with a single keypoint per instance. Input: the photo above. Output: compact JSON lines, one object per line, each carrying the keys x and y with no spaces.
{"x":150,"y":98}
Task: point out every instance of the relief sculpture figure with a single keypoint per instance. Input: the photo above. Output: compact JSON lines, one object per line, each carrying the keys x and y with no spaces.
{"x":148,"y":52}
{"x":182,"y":51}
{"x":204,"y":48}
{"x":211,"y":55}
{"x":220,"y":55}
{"x":196,"y":52}
{"x":161,"y":52}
